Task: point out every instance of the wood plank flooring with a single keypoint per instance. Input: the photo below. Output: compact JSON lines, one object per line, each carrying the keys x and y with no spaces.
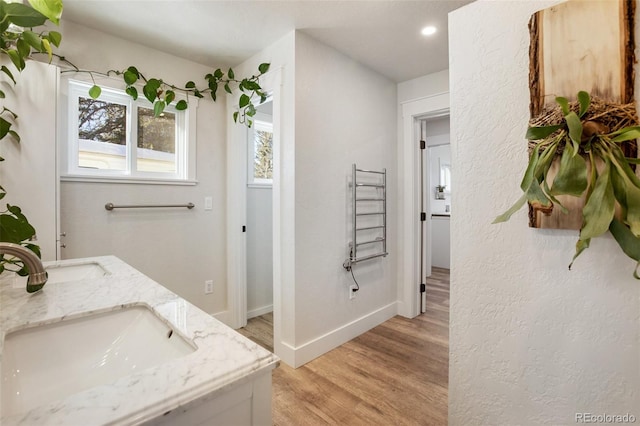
{"x":394,"y":374}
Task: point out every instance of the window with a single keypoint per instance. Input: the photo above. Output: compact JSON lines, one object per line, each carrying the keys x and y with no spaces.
{"x":117,"y":138}
{"x":260,"y":139}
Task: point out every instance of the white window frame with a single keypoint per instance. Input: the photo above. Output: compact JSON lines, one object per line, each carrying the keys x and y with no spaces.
{"x":113,"y":92}
{"x":259,"y":120}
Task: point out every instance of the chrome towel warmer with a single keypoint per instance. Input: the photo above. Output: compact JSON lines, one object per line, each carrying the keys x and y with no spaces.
{"x":111,"y":206}
{"x":377,"y":193}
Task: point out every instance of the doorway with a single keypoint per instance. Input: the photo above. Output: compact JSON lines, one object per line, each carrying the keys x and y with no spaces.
{"x":436,"y":192}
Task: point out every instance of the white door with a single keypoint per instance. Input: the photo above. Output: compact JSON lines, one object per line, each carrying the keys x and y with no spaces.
{"x":29,"y":173}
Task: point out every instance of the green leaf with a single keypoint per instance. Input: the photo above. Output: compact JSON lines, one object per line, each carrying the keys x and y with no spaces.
{"x":181,"y":105}
{"x":231,"y":74}
{"x":251,"y":85}
{"x":251,"y":110}
{"x":23,"y":48}
{"x":5,"y":126}
{"x":2,"y":95}
{"x":627,"y":134}
{"x":133,"y":92}
{"x":52,"y":9}
{"x":33,"y":40}
{"x":531,"y":167}
{"x":564,"y":104}
{"x":130,"y":77}
{"x":581,"y":246}
{"x":213,"y":96}
{"x":5,"y":70}
{"x":572,"y":175}
{"x":227,"y":88}
{"x":16,"y":58}
{"x":15,"y":135}
{"x":536,"y":133}
{"x":575,"y":130}
{"x":503,"y":217}
{"x":55,"y":38}
{"x":197,"y":94}
{"x":190,"y":85}
{"x":600,"y":207}
{"x":14,"y":226}
{"x":169,"y":96}
{"x":95,"y":91}
{"x":235,"y":117}
{"x":584,"y":100}
{"x":150,"y":89}
{"x":47,"y":48}
{"x":263,"y":68}
{"x":24,"y":16}
{"x":134,"y":70}
{"x":218,"y":73}
{"x":629,"y":243}
{"x":244,"y":101}
{"x":158,"y":107}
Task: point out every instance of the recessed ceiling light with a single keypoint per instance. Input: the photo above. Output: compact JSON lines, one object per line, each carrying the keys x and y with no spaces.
{"x":430,"y":30}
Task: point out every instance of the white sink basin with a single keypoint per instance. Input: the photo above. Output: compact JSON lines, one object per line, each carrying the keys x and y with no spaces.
{"x":46,"y":363}
{"x":61,"y":273}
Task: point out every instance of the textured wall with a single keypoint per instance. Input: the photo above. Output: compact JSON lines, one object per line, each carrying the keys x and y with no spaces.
{"x":531,"y":342}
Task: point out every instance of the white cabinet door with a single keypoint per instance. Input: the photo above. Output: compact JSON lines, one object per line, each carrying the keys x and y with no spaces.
{"x":29,"y":173}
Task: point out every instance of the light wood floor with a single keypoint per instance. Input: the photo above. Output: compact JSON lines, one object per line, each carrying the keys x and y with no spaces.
{"x":395,"y":374}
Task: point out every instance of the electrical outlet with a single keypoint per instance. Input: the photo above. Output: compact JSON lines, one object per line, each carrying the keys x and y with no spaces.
{"x":208,"y":287}
{"x":352,"y":291}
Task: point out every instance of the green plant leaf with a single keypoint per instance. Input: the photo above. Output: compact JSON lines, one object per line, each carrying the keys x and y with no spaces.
{"x":251,"y":85}
{"x":181,"y":105}
{"x":23,"y":48}
{"x":133,"y":92}
{"x":572,"y":175}
{"x":575,"y":130}
{"x":244,"y":101}
{"x":214,"y":96}
{"x":199,"y":95}
{"x":32,"y":39}
{"x":251,"y":110}
{"x":6,"y":70}
{"x":235,"y":117}
{"x":599,"y":209}
{"x":581,"y":246}
{"x":52,"y":9}
{"x":15,"y":135}
{"x":231,"y":74}
{"x":628,"y":134}
{"x":24,"y":16}
{"x":584,"y":100}
{"x":55,"y":38}
{"x":537,"y":133}
{"x":169,"y":96}
{"x":130,"y":77}
{"x":5,"y":126}
{"x":2,"y":95}
{"x":190,"y":85}
{"x":47,"y":48}
{"x":158,"y":107}
{"x":14,"y":226}
{"x":16,"y":58}
{"x":629,"y":243}
{"x":218,"y":73}
{"x":95,"y":91}
{"x":536,"y":196}
{"x":227,"y":88}
{"x":564,"y":104}
{"x":263,"y":68}
{"x":150,"y":89}
{"x":134,"y":70}
{"x":504,"y":216}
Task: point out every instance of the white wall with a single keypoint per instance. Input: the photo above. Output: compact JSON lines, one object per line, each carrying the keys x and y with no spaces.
{"x":28,"y":173}
{"x":259,"y":251}
{"x":179,"y":248}
{"x":345,"y":113}
{"x":530,"y":341}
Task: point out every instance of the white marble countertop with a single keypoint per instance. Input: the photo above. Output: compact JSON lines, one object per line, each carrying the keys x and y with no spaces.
{"x":223,"y":357}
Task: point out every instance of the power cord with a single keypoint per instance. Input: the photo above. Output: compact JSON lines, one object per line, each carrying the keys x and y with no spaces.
{"x":354,"y":280}
{"x":349,"y":267}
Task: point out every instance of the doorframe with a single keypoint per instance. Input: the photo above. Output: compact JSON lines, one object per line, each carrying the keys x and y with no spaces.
{"x":413,"y":112}
{"x":271,"y":82}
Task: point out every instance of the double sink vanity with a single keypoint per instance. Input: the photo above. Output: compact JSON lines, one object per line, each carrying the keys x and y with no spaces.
{"x":104,"y":344}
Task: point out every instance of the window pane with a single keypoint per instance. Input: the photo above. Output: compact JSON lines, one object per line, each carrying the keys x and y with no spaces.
{"x":156,"y":142}
{"x":102,"y":135}
{"x":263,"y":160}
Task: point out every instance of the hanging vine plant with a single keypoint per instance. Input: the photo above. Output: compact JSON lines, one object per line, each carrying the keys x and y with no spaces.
{"x":586,"y":135}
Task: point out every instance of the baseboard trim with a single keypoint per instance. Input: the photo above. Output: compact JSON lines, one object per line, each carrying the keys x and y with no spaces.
{"x":302,"y":354}
{"x":260,"y":311}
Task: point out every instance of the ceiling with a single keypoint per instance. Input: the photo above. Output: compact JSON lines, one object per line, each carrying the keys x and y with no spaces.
{"x":382,"y":34}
